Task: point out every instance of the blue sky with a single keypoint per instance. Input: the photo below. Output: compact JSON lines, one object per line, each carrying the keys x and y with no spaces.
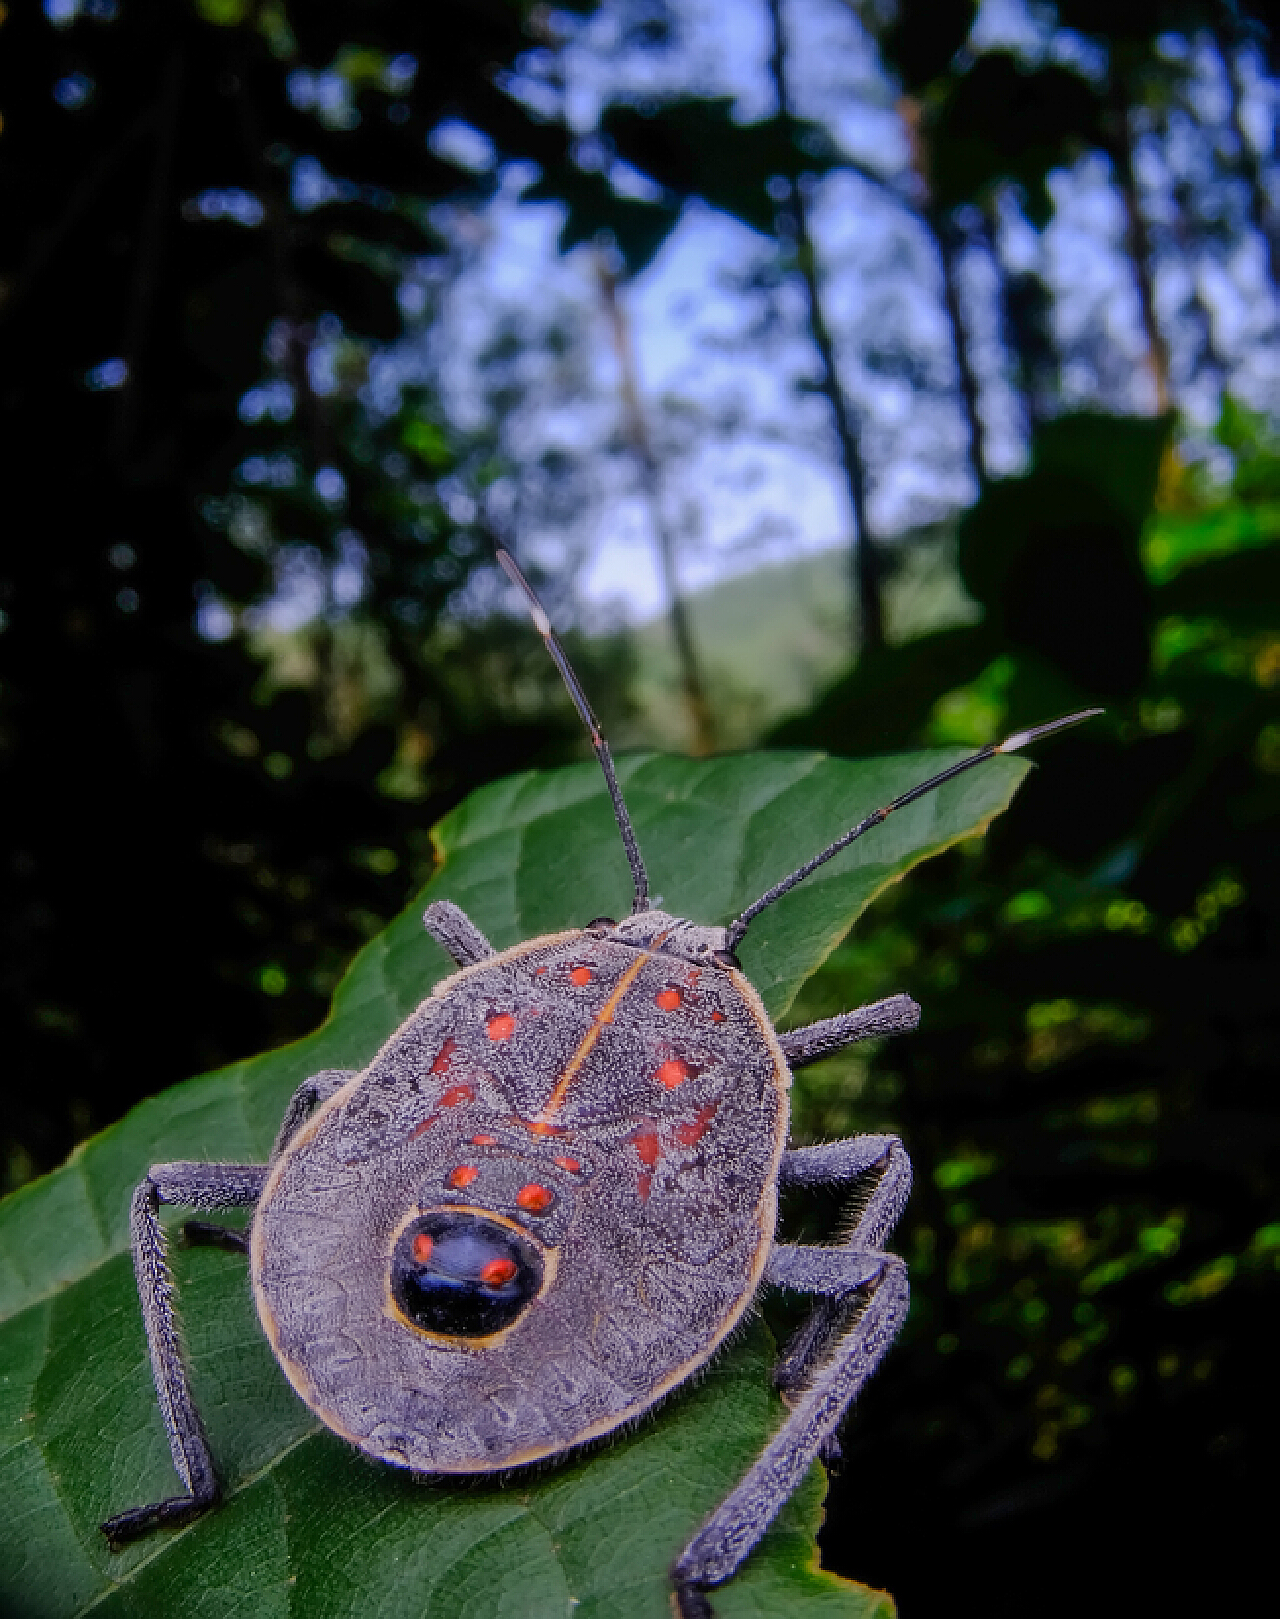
{"x":748,"y":462}
{"x":749,"y":471}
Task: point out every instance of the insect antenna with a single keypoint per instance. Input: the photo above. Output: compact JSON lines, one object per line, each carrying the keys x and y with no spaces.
{"x":542,"y":623}
{"x":1011,"y":744}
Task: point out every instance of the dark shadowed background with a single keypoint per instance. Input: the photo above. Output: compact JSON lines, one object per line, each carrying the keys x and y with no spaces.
{"x":850,"y":376}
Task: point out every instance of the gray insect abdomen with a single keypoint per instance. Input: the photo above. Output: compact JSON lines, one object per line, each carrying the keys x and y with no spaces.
{"x":625,"y":1112}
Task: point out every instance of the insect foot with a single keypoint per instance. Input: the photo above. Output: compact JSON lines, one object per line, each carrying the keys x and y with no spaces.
{"x":547,"y":1201}
{"x":691,"y":1602}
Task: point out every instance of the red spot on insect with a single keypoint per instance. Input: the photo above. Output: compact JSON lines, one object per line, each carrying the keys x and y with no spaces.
{"x":534,"y":1199}
{"x":538,"y":971}
{"x":717,"y":1017}
{"x":421,"y":1129}
{"x":463,"y":1175}
{"x":693,"y":978}
{"x":668,"y":999}
{"x":646,"y":1144}
{"x":484,"y":1141}
{"x":696,"y":1128}
{"x":422,"y":1246}
{"x":456,"y":1095}
{"x":444,"y":1057}
{"x":498,"y":1271}
{"x":539,"y":1127}
{"x":644,"y":1182}
{"x":673,"y":1072}
{"x":571,"y":1164}
{"x":501,"y":1027}
{"x":580,"y":975}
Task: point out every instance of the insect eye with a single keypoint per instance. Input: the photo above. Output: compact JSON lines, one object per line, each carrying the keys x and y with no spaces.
{"x":462,"y":1275}
{"x":600,"y":924}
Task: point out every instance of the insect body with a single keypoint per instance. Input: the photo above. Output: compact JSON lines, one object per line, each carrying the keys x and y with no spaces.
{"x":569,"y":1157}
{"x":543,"y":1205}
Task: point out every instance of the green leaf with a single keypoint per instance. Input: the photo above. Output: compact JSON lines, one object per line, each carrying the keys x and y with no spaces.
{"x":592,"y":206}
{"x":1004,"y":120}
{"x":306,"y":1526}
{"x":696,"y":147}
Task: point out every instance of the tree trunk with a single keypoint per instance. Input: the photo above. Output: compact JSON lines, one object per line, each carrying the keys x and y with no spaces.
{"x":695,"y":694}
{"x":946,"y":241}
{"x":1138,"y":243}
{"x":1184,"y":236}
{"x":1262,"y":215}
{"x":867,"y":566}
{"x":1022,"y":305}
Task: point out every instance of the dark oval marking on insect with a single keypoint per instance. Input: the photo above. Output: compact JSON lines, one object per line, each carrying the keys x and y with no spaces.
{"x":535,"y":1199}
{"x":600,"y":924}
{"x":501,"y":1026}
{"x":462,"y":1275}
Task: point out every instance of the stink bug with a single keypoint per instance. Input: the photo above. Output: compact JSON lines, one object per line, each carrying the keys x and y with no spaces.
{"x":546,"y":1201}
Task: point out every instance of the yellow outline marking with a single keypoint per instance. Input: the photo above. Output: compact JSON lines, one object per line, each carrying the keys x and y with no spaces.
{"x":766,"y":1220}
{"x":445,"y":1340}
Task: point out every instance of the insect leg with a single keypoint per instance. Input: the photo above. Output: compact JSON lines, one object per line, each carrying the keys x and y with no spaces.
{"x":896,"y":1015}
{"x":198,"y":1186}
{"x":838,"y":1163}
{"x":454,"y":931}
{"x":208,"y":1234}
{"x":841,"y":1163}
{"x":305,"y":1100}
{"x":734,"y":1528}
{"x":865,"y":1297}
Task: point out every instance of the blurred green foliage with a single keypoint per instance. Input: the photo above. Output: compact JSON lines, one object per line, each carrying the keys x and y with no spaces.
{"x":214,"y":251}
{"x":1090,"y":1097}
{"x":215,"y":213}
